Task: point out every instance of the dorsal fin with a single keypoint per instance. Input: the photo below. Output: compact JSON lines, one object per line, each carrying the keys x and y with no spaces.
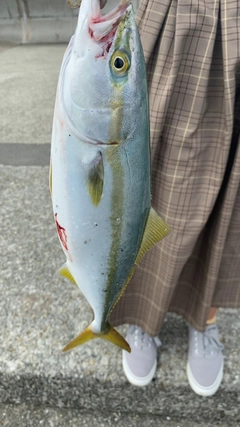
{"x":156,"y":229}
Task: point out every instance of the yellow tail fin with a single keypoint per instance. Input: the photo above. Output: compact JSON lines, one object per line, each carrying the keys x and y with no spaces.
{"x":111,"y":335}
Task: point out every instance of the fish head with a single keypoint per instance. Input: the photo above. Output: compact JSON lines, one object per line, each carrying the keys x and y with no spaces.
{"x":104,"y":78}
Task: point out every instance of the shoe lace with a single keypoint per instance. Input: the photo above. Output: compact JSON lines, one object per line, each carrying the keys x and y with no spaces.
{"x":206,"y":343}
{"x":142,"y":339}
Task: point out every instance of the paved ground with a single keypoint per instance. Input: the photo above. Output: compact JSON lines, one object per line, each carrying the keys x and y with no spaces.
{"x":39,"y":313}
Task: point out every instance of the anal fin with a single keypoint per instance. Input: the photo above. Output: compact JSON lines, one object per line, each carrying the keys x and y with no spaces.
{"x":64,"y":271}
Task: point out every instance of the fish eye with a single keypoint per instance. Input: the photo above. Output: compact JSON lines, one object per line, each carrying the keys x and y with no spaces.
{"x":120,"y":63}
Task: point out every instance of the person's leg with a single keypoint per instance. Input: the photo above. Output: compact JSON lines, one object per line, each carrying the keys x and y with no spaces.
{"x":212,"y":315}
{"x":177,"y":274}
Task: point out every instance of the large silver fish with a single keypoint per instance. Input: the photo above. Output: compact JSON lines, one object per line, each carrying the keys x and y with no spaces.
{"x":100,"y":162}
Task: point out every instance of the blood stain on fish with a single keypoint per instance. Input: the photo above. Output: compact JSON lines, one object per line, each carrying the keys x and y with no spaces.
{"x":61,"y":232}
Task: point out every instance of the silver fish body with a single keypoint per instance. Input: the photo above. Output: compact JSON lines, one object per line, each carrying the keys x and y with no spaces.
{"x":100,"y":161}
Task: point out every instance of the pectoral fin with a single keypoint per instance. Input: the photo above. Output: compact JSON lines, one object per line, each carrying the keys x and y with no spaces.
{"x":111,"y":335}
{"x":64,"y":271}
{"x":156,"y":229}
{"x":95,"y":180}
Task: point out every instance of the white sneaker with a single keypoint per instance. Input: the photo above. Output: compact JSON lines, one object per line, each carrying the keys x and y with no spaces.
{"x":205,"y":360}
{"x":140,"y":365}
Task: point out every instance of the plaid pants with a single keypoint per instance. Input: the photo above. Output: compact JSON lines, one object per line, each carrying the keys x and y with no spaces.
{"x":192,"y":52}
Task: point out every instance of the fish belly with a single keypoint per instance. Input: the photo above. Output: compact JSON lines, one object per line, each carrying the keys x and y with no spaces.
{"x":83,"y":228}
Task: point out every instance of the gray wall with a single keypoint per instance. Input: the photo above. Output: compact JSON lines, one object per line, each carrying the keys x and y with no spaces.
{"x":40,"y":21}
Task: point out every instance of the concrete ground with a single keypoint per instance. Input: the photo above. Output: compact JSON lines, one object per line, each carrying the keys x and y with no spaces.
{"x":40,"y":313}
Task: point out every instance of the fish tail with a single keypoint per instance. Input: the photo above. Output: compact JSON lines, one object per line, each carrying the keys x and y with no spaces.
{"x":110,"y":334}
{"x":113,"y":336}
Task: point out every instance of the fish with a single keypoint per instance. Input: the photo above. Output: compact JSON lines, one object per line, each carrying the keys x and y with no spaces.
{"x":100,"y":163}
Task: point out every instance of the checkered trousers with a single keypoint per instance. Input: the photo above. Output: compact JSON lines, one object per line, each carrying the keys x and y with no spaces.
{"x":192,"y":51}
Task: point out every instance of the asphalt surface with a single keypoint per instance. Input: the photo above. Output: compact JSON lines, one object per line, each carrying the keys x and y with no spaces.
{"x":24,"y":154}
{"x":40,"y":313}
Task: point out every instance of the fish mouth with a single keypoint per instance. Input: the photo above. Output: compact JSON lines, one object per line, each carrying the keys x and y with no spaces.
{"x":102,"y":28}
{"x":105,"y":26}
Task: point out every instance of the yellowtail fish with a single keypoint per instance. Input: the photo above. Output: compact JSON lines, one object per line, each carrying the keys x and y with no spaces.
{"x":100,"y":162}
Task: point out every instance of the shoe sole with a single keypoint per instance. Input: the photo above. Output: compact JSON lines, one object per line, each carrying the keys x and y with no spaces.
{"x":133,"y":379}
{"x":201,"y":390}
